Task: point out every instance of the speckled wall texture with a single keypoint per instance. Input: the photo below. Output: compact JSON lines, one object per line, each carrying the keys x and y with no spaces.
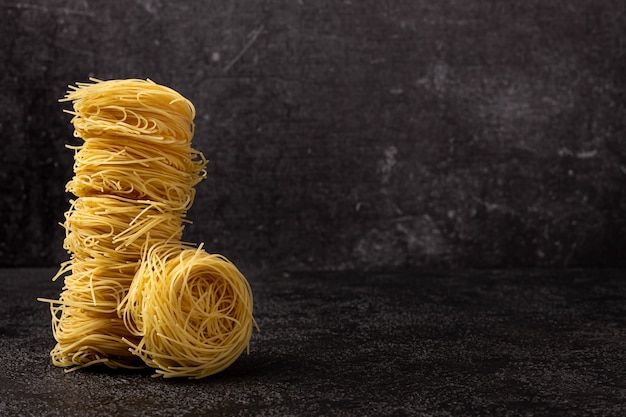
{"x":344,"y":134}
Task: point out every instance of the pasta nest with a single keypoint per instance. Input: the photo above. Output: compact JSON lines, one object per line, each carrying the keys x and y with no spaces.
{"x":192,"y":310}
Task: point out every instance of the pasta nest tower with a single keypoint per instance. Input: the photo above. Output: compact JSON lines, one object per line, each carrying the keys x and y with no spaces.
{"x":135,"y":295}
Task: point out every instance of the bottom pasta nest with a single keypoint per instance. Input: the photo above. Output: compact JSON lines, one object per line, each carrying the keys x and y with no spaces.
{"x":191,"y":310}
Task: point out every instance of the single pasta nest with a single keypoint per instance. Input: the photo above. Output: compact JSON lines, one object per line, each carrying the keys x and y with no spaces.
{"x":192,"y":310}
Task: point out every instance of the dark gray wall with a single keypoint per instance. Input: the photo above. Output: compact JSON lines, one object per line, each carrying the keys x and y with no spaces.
{"x":345,"y":134}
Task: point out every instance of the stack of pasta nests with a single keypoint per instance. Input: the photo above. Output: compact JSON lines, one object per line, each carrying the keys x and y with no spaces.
{"x":135,"y":295}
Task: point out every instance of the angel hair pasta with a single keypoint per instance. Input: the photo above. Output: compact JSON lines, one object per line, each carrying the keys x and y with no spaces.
{"x":191,"y":309}
{"x":134,"y":294}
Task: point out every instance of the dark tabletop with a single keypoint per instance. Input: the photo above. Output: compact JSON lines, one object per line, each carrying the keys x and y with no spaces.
{"x":540,"y":342}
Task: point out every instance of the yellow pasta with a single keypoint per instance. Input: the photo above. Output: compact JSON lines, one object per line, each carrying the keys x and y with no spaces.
{"x":192,"y":310}
{"x":118,"y":228}
{"x":155,"y":175}
{"x":131,"y":108}
{"x":134,"y":294}
{"x":137,"y":142}
{"x":85,"y":338}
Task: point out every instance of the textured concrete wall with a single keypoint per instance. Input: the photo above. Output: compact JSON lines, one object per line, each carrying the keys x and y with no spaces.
{"x":344,"y":134}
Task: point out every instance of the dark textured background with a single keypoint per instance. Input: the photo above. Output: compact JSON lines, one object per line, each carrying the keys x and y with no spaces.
{"x":344,"y":134}
{"x":504,"y":343}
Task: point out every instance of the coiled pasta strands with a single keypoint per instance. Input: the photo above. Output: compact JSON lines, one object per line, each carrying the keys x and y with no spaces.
{"x":96,"y":284}
{"x":139,"y":183}
{"x":85,"y":338}
{"x":97,"y":289}
{"x":140,"y":109}
{"x":101,"y":295}
{"x":106,"y":226}
{"x":105,"y":236}
{"x":140,"y":112}
{"x":192,"y":309}
{"x":134,"y":294}
{"x":186,"y":163}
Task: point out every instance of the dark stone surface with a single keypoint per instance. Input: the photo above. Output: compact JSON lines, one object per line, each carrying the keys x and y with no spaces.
{"x":434,"y":344}
{"x":344,"y":134}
